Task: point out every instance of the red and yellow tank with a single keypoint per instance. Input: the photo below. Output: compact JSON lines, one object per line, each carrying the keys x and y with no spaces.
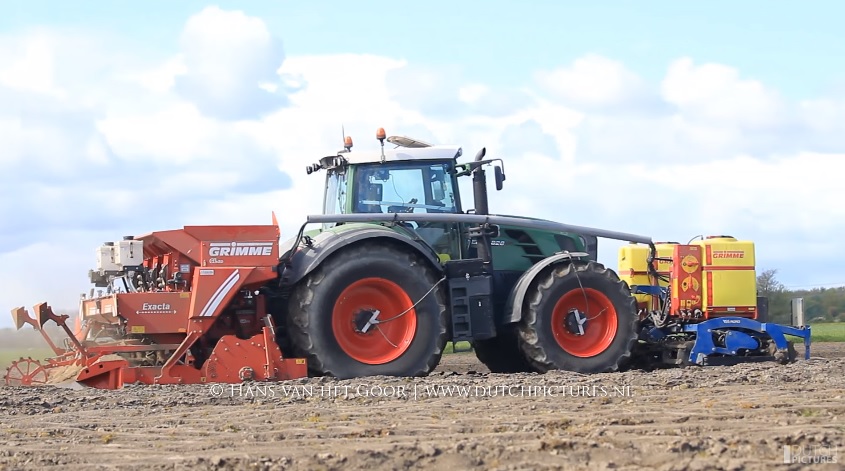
{"x":716,"y":275}
{"x":633,"y":265}
{"x":729,"y":277}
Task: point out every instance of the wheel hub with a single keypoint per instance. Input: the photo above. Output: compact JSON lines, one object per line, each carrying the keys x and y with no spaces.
{"x":365,"y":319}
{"x":576,"y":322}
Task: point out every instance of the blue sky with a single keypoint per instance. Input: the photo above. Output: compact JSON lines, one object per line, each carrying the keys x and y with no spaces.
{"x":790,"y":45}
{"x":122,"y":117}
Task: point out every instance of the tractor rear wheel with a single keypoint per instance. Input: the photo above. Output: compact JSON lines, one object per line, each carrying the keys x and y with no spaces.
{"x":355,"y":315}
{"x":579,"y":317}
{"x":502,"y":354}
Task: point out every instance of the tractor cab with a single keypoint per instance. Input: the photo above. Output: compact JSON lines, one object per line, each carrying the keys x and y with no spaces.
{"x":413,"y":177}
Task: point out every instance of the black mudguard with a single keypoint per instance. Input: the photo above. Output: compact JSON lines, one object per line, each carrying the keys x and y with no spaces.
{"x":516,"y":299}
{"x":297,"y":262}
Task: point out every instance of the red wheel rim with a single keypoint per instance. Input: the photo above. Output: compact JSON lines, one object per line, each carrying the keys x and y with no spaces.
{"x":382,"y":343}
{"x":600,"y":328}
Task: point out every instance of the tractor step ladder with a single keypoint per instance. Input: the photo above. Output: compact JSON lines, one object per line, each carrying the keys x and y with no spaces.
{"x":461,"y":318}
{"x":470,"y":298}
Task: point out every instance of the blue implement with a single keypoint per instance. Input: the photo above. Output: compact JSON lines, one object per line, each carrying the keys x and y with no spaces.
{"x":742,"y":334}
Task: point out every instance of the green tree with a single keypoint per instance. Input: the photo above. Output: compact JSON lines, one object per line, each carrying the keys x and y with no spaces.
{"x":820,"y":304}
{"x":767,"y":283}
{"x":780,"y":309}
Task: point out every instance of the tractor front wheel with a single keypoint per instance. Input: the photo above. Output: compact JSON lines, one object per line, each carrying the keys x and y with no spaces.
{"x":579,"y":317}
{"x":369,"y":310}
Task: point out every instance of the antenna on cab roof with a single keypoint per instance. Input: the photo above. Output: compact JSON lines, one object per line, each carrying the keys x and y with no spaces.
{"x":347,"y":140}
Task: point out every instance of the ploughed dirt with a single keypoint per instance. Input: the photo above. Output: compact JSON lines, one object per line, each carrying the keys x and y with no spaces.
{"x":734,"y":417}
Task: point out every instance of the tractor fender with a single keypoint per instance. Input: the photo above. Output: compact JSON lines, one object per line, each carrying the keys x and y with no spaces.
{"x":306,"y":258}
{"x":516,"y":298}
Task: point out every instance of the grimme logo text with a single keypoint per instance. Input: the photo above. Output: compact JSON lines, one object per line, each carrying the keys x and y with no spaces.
{"x":239,"y":251}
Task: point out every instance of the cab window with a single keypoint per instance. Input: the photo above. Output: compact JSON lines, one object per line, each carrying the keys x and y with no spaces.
{"x":404,"y":188}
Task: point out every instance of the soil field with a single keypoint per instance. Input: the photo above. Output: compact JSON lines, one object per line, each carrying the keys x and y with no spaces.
{"x":720,"y":417}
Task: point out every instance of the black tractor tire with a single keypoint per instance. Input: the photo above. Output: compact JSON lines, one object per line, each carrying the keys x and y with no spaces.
{"x":394,"y":278}
{"x":590,"y":287}
{"x":502,"y":354}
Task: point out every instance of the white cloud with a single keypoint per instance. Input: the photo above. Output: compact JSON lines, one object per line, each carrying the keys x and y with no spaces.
{"x":90,"y":156}
{"x":594,"y":82}
{"x":175,"y":134}
{"x":162,"y":78}
{"x":88,"y":146}
{"x":716,"y":93}
{"x":442,"y":92}
{"x":473,"y":93}
{"x":823,"y":124}
{"x":230,"y":58}
{"x":31,"y":68}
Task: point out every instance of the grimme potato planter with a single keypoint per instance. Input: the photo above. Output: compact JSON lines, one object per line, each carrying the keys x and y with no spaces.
{"x":191,"y":312}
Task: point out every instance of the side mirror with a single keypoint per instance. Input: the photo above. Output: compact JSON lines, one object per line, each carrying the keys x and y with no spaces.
{"x":500,"y":177}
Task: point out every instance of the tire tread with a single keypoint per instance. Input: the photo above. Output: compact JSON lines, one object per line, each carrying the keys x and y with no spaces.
{"x":303,"y":298}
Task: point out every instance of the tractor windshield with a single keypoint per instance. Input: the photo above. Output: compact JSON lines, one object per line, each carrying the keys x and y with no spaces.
{"x":411,"y":187}
{"x":404,"y":188}
{"x":399,"y":187}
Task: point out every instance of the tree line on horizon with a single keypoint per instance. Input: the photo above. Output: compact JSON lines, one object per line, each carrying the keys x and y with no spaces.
{"x":820,"y":304}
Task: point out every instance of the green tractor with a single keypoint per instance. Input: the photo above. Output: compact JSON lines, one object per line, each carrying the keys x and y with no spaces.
{"x":398,"y":268}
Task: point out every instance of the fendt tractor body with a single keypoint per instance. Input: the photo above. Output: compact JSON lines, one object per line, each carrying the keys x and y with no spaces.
{"x":395,"y":270}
